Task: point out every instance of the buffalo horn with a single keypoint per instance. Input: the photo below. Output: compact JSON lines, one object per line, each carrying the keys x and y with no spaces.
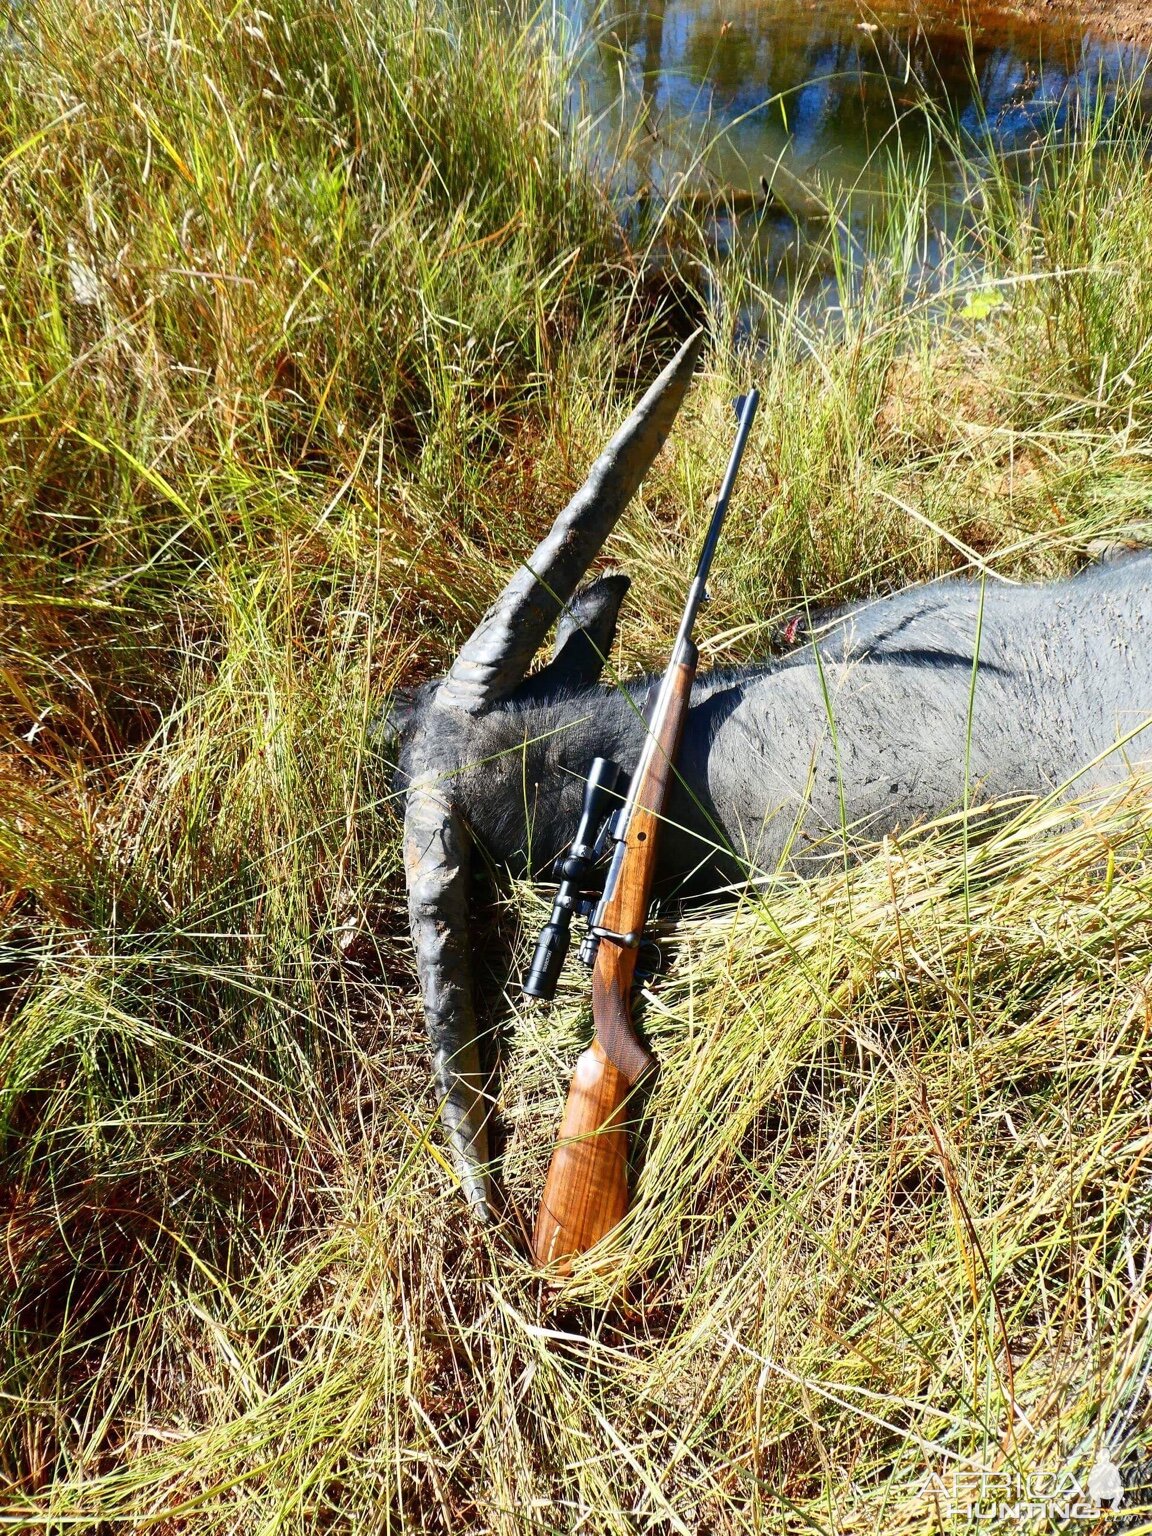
{"x":496,"y":656}
{"x":436,"y":861}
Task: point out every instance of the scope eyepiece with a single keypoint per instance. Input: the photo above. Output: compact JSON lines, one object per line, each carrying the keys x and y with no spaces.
{"x":572,"y":870}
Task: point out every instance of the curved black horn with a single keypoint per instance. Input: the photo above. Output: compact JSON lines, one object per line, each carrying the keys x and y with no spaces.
{"x":497,"y":654}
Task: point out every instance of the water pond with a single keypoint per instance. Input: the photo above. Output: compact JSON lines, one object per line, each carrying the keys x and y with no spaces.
{"x":766,"y":113}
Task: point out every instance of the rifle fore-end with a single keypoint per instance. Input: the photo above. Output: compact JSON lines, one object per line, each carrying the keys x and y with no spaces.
{"x":586,"y":1191}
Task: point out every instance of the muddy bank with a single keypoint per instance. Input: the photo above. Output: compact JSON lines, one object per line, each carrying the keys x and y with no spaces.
{"x":1128,"y":21}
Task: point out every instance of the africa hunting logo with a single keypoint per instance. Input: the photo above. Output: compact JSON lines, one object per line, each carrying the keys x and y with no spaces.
{"x":987,"y":1496}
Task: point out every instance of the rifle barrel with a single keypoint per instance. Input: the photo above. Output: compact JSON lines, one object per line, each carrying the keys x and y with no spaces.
{"x":746,"y":409}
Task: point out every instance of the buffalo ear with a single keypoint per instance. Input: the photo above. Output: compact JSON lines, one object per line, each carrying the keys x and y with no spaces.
{"x":584,"y":637}
{"x":390,"y":733}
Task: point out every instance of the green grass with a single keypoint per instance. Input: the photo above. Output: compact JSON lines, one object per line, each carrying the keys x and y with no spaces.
{"x":309,"y":321}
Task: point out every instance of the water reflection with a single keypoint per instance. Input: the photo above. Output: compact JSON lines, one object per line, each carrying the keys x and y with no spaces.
{"x":816,"y":102}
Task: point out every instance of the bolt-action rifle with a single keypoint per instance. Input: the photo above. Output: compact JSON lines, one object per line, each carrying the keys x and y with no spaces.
{"x":586,"y":1192}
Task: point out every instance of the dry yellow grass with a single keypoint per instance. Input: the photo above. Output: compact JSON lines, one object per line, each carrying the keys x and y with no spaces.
{"x":309,"y":320}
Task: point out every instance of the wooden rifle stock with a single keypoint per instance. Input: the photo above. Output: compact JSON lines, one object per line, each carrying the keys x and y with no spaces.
{"x":586,"y":1191}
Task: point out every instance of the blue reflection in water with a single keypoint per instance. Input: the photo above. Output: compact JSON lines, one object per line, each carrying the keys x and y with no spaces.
{"x":710,"y":96}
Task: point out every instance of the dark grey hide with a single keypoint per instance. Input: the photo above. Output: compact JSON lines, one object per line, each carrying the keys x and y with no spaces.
{"x":856,"y":732}
{"x":863,"y":730}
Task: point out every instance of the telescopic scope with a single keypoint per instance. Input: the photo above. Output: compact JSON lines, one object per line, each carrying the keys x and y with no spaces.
{"x":573,"y":871}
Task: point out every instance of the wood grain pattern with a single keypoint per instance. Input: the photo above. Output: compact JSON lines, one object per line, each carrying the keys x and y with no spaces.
{"x":626,"y":909}
{"x":586,"y":1192}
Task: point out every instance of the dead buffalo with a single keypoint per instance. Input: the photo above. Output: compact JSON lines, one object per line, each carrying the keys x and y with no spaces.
{"x":877,"y":720}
